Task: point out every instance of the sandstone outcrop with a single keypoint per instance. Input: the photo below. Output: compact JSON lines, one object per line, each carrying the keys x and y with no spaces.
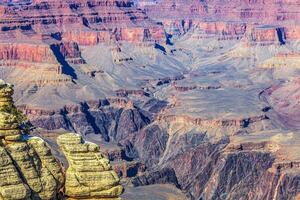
{"x":89,"y":174}
{"x":9,"y":125}
{"x":28,"y":170}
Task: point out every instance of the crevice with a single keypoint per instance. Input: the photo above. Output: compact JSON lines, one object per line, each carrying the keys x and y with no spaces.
{"x":281,"y":35}
{"x":18,"y":170}
{"x":66,"y":68}
{"x":90,"y":118}
{"x":67,"y":121}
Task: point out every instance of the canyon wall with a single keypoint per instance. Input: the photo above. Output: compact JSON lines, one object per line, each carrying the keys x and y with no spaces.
{"x":84,"y":22}
{"x":259,"y":19}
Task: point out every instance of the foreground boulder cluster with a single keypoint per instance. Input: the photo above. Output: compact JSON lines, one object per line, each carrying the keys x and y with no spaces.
{"x":28,"y":170}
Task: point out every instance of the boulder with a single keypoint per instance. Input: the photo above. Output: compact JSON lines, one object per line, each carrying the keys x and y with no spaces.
{"x":89,"y":175}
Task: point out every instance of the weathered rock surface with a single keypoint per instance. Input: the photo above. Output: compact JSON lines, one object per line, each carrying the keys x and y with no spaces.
{"x":89,"y":174}
{"x":28,"y":170}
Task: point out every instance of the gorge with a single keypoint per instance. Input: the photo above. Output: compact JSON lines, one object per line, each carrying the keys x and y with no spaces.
{"x":193,"y":99}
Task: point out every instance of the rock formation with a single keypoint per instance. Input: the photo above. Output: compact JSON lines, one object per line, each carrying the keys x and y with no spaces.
{"x":284,"y":100}
{"x":47,"y":35}
{"x":83,"y":22}
{"x":9,"y":126}
{"x":28,"y":170}
{"x":89,"y":175}
{"x":260,"y":18}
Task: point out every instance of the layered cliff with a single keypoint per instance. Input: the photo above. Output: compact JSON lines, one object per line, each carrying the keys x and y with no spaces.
{"x":258,"y":18}
{"x":84,"y":22}
{"x":43,"y":40}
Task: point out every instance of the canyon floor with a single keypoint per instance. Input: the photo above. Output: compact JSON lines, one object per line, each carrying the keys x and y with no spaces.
{"x":188,"y":99}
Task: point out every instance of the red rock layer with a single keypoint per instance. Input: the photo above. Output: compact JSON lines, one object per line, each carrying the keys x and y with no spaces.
{"x":84,"y":22}
{"x":26,"y":52}
{"x":259,"y":18}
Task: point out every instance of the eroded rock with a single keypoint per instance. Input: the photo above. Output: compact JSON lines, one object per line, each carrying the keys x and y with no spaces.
{"x":28,"y":170}
{"x":89,"y":174}
{"x":9,"y":127}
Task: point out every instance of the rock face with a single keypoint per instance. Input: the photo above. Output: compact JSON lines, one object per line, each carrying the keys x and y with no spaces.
{"x":85,"y":22}
{"x":89,"y":174}
{"x":47,"y":35}
{"x":259,"y":19}
{"x":30,"y":166}
{"x":105,"y":119}
{"x":9,"y":126}
{"x":28,"y":170}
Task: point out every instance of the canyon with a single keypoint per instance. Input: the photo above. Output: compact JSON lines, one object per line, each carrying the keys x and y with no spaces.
{"x":186,"y":99}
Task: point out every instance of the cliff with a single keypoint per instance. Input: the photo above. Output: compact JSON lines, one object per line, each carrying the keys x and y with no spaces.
{"x":44,"y":39}
{"x":228,"y":21}
{"x":83,"y":22}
